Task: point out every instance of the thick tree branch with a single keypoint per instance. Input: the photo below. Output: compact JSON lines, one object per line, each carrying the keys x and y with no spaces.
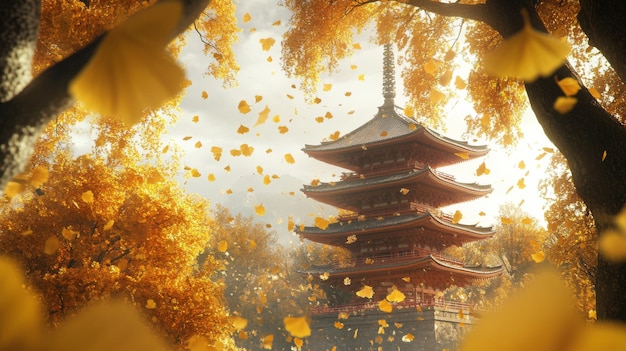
{"x":23,"y":117}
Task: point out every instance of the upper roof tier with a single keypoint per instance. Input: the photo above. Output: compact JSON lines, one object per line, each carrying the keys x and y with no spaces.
{"x":389,"y":127}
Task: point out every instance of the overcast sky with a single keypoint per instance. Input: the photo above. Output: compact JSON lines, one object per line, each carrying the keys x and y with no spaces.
{"x":219,"y":120}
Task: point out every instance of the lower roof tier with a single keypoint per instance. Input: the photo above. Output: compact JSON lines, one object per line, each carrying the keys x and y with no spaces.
{"x":427,"y":179}
{"x":426,"y":229}
{"x":428,"y":271}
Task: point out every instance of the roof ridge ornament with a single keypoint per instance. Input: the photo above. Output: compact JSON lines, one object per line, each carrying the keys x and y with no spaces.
{"x":389,"y":76}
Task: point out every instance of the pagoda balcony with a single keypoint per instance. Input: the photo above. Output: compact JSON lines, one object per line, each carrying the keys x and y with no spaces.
{"x":396,"y":210}
{"x":409,"y":303}
{"x":383,"y":170}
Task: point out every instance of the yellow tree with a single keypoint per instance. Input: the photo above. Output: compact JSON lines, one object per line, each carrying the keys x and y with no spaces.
{"x":589,"y":131}
{"x":99,"y":229}
{"x":571,"y":244}
{"x":260,"y":284}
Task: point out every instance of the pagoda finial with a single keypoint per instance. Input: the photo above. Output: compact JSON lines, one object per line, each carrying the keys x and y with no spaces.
{"x":389,"y":75}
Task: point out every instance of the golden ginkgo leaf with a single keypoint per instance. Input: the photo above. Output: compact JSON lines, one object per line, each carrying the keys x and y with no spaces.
{"x":482,"y":170}
{"x":564,"y":104}
{"x":87,"y":196}
{"x":263,"y":115}
{"x":456,"y":218}
{"x":527,"y":54}
{"x":243,"y":107}
{"x":321,"y":223}
{"x":612,"y":245}
{"x":297,"y":326}
{"x":366,"y":292}
{"x":239,"y":322}
{"x":246,"y":17}
{"x":259,"y":209}
{"x":131,"y":71}
{"x":222,"y":246}
{"x":385,"y":306}
{"x":569,"y":86}
{"x":395,"y":296}
{"x":538,"y":257}
{"x":267,"y":43}
{"x":289,"y":159}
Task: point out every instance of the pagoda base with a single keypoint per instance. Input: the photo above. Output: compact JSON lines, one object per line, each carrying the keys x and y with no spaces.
{"x":429,"y":329}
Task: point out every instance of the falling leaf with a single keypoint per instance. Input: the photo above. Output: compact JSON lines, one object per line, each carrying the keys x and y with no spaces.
{"x":87,"y":196}
{"x":204,"y":95}
{"x":459,"y":83}
{"x":246,"y":18}
{"x":338,"y":325}
{"x":482,"y":169}
{"x":351,"y":239}
{"x":198,"y":145}
{"x":150,"y":304}
{"x":361,"y":77}
{"x":187,"y":138}
{"x":395,"y":296}
{"x":445,"y":78}
{"x":436,"y":96}
{"x":69,"y":234}
{"x":334,"y":136}
{"x":506,"y":220}
{"x":259,"y":209}
{"x":527,"y":54}
{"x":595,"y":93}
{"x":327,"y":87}
{"x":521,"y":165}
{"x":347,"y":281}
{"x":408,"y":337}
{"x":409,"y":112}
{"x":276,"y":119}
{"x":130,"y":71}
{"x":222,"y":246}
{"x":267,"y":43}
{"x":239,"y":322}
{"x":347,"y":93}
{"x":242,"y":129}
{"x":431,"y":66}
{"x":38,"y":176}
{"x":258,"y":98}
{"x":194,"y":173}
{"x":297,"y":326}
{"x":564,"y":104}
{"x":51,"y":245}
{"x":385,"y":306}
{"x":246,"y":150}
{"x":527,"y":221}
{"x":521,"y":184}
{"x":457,"y":216}
{"x":267,"y":180}
{"x":366,"y":292}
{"x":277,"y":23}
{"x":612,"y":245}
{"x":108,"y":225}
{"x":604,"y":155}
{"x":217,"y":152}
{"x":540,"y":156}
{"x":211,"y":177}
{"x":538,"y":257}
{"x":324,"y":276}
{"x":404,"y":191}
{"x":263,"y":115}
{"x":283,"y":129}
{"x":463,"y":155}
{"x":321,"y":223}
{"x":243,"y":107}
{"x":353,"y":67}
{"x":569,"y":86}
{"x":267,"y":341}
{"x":289,"y":159}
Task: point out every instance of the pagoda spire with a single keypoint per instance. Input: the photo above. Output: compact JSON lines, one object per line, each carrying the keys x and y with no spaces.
{"x":389,"y":76}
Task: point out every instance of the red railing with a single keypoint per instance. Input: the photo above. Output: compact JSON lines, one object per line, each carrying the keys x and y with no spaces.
{"x":383,"y":169}
{"x":397,"y":209}
{"x":413,"y":304}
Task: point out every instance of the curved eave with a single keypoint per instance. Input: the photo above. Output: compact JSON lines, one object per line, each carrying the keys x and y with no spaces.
{"x":406,"y":266}
{"x":430,"y":176}
{"x":397,"y":128}
{"x":337,"y":232}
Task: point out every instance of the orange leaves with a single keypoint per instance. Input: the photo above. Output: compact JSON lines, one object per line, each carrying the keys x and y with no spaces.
{"x":246,"y":17}
{"x":366,"y":292}
{"x":395,"y":296}
{"x":263,"y":115}
{"x":457,"y":216}
{"x":327,"y":87}
{"x":150,"y":304}
{"x":130,"y":71}
{"x":527,"y":54}
{"x":297,"y":326}
{"x":87,"y":196}
{"x":259,"y":209}
{"x":222,"y":246}
{"x":267,"y":43}
{"x":321,"y":223}
{"x":482,"y":170}
{"x":289,"y":159}
{"x":243,"y":107}
{"x":242,"y":129}
{"x":217,"y":152}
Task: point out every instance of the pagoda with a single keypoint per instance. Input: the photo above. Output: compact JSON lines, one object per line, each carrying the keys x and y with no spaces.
{"x":391,"y":195}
